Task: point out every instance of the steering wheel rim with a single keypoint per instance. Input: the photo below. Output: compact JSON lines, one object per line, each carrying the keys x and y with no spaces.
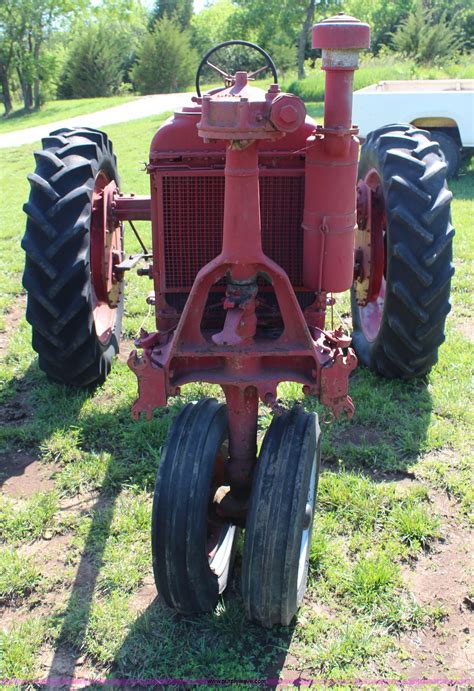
{"x":236,"y":42}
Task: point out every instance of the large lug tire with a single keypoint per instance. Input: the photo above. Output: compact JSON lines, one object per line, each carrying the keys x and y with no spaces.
{"x":280,"y":519}
{"x":398,"y":334}
{"x":62,"y":305}
{"x":192,"y":548}
{"x":450,"y":152}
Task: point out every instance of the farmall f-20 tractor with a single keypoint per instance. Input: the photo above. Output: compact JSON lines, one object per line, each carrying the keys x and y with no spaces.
{"x":259,"y":215}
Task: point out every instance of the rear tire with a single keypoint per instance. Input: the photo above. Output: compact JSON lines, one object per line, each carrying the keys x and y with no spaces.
{"x":57,"y":273}
{"x":418,"y":253}
{"x":450,"y":152}
{"x":280,"y":519}
{"x":192,"y":554}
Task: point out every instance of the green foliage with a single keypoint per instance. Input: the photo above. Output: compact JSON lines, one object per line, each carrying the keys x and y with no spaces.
{"x":212,"y":26}
{"x":26,"y":26}
{"x":284,"y":53}
{"x":425,"y":39}
{"x":415,"y":526}
{"x":18,"y":576}
{"x":373,"y":580}
{"x":180,"y":11}
{"x":166,"y":61}
{"x":28,"y":519}
{"x":19,"y":648}
{"x":126,"y":21}
{"x":95,"y":65}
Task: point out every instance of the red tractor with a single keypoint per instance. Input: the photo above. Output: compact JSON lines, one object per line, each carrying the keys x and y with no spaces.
{"x":259,"y":215}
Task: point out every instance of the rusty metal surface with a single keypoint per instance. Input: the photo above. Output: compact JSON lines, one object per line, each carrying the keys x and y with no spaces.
{"x":239,"y":113}
{"x":131,"y":207}
{"x":341,"y":32}
{"x":106,"y":252}
{"x":370,"y":245}
{"x":261,"y":334}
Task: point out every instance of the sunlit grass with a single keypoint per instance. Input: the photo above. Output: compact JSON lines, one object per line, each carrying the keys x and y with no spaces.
{"x":366,"y":529}
{"x":53,"y":111}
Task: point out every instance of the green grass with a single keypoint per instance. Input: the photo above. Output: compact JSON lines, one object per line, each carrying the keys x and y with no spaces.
{"x":27,"y":520}
{"x":19,"y":647}
{"x":373,"y":70}
{"x":58,"y":110}
{"x":369,"y":527}
{"x":19,"y":576}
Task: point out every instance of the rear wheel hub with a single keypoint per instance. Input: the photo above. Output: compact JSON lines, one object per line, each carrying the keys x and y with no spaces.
{"x":369,"y":278}
{"x":106,"y":251}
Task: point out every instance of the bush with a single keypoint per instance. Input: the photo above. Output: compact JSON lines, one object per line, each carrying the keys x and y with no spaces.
{"x":166,"y":61}
{"x":94,"y":66}
{"x":425,"y":39}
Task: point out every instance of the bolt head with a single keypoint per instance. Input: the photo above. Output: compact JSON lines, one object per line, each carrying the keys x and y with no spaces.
{"x":288,"y":114}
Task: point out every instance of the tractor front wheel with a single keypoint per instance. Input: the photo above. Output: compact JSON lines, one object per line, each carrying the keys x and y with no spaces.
{"x":400,"y":298}
{"x":279,"y":523}
{"x":192,"y":547}
{"x":75,"y":300}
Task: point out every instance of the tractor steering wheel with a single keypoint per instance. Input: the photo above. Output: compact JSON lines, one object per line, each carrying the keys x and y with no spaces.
{"x":229,"y":79}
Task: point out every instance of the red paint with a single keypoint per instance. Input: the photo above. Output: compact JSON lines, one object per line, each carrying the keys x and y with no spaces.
{"x":241,"y":276}
{"x":329,"y":213}
{"x":132,"y":208}
{"x":370,"y":253}
{"x":370,"y":239}
{"x":106,"y":250}
{"x":341,"y":32}
{"x":242,"y":413}
{"x":331,"y":162}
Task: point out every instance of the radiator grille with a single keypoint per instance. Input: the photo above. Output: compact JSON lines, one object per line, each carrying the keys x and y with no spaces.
{"x":193,"y":212}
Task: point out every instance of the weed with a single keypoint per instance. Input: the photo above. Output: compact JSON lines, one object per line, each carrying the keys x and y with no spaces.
{"x":18,"y":575}
{"x":19,"y":649}
{"x":415,"y":526}
{"x":29,"y":519}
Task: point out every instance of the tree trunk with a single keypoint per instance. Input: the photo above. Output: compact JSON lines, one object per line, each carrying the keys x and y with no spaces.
{"x":37,"y":78}
{"x":303,"y":36}
{"x":25,"y":90}
{"x":6,"y":95}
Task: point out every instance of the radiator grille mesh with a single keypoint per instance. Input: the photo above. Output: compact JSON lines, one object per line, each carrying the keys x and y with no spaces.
{"x":193,"y":211}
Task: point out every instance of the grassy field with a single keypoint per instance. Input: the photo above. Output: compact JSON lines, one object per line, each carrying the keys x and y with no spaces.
{"x":58,"y":110}
{"x":390,"y":584}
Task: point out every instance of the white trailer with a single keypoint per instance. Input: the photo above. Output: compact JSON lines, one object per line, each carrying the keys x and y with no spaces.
{"x":445,"y":107}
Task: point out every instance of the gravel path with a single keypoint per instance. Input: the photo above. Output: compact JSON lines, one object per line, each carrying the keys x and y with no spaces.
{"x":142,"y":107}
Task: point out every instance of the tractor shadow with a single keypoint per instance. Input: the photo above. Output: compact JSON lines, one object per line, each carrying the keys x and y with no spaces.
{"x":382,"y":441}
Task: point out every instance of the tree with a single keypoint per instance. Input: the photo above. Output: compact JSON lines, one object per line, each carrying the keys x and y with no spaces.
{"x":95,"y":64}
{"x":291,"y":18}
{"x":425,"y":39}
{"x":29,"y":24}
{"x":123,"y":23}
{"x":8,"y":32}
{"x":303,"y":37}
{"x":213,"y":25}
{"x":179,"y":10}
{"x":166,"y":60}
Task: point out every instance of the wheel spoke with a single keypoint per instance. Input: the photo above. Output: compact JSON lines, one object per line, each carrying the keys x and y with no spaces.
{"x":218,"y":70}
{"x":252,"y":75}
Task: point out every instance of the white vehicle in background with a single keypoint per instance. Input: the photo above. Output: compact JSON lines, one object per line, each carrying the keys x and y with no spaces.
{"x":444,"y":107}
